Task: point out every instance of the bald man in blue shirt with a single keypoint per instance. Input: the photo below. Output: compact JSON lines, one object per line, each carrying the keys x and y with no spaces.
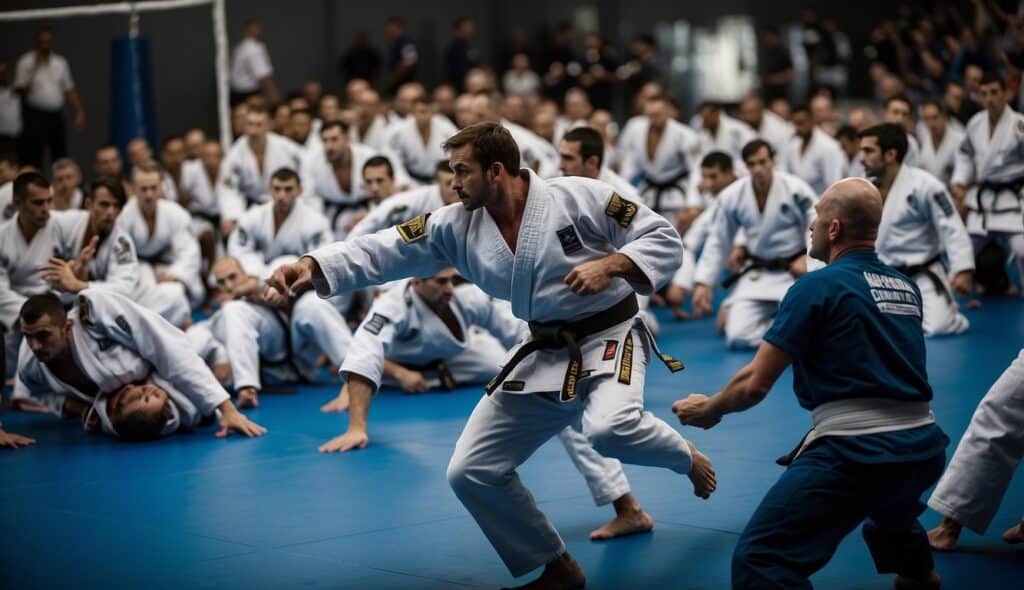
{"x":852,"y":331}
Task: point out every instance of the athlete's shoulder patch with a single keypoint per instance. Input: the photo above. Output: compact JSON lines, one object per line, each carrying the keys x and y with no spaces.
{"x":413,"y":230}
{"x":85,"y":311}
{"x":621,"y":210}
{"x":513,"y":385}
{"x":942,"y":199}
{"x":375,"y":324}
{"x":570,"y":240}
{"x":123,"y":253}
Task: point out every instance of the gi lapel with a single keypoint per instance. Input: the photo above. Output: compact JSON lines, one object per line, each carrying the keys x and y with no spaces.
{"x":530,"y":240}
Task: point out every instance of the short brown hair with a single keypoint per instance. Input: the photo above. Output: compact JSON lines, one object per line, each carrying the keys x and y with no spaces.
{"x":491,"y":143}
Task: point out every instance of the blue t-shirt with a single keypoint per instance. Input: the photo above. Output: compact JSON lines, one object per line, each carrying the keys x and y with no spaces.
{"x":854,"y":330}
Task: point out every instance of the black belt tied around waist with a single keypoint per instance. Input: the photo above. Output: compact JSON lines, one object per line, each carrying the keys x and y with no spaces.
{"x":567,"y":335}
{"x":1014,"y":186}
{"x":925,"y":269}
{"x":660,"y":188}
{"x":755,"y":263}
{"x":340,"y":208}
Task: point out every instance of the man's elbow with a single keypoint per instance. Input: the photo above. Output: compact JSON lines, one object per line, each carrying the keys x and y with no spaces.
{"x":755,"y":390}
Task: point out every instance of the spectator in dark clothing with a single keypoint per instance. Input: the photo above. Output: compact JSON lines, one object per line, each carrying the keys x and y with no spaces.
{"x":461,"y":56}
{"x":598,"y":78}
{"x":641,"y":67}
{"x":360,"y":61}
{"x":561,"y":64}
{"x":402,"y":55}
{"x":776,"y":65}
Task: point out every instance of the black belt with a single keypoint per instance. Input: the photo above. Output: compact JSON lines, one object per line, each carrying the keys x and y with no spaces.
{"x":925,"y":269}
{"x":559,"y":335}
{"x":755,"y":263}
{"x":662,"y":187}
{"x":289,"y":359}
{"x":422,"y":178}
{"x":340,"y":208}
{"x":996,"y":188}
{"x":211,"y":217}
{"x":444,"y":374}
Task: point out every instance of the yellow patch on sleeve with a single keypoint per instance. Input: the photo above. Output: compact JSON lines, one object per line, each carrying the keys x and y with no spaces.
{"x":413,"y":230}
{"x":621,"y":210}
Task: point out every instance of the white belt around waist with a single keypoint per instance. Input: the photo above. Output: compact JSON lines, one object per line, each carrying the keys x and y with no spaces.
{"x":861,"y":416}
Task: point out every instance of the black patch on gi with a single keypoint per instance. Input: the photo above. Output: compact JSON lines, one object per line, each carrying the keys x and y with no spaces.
{"x":944,"y":203}
{"x":85,"y":311}
{"x":513,"y":385}
{"x":621,"y":210}
{"x":123,"y":251}
{"x":413,"y":230}
{"x":122,"y":323}
{"x":375,"y":324}
{"x":570,"y":240}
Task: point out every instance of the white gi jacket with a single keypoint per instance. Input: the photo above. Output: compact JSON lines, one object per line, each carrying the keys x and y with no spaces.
{"x":398,"y":209}
{"x":171,"y":248}
{"x":939,"y":160}
{"x":820,"y":165}
{"x":418,"y":158}
{"x":992,"y":165}
{"x":194,"y":181}
{"x":242,"y":183}
{"x":781,"y":231}
{"x":115,"y":343}
{"x":321,"y":189}
{"x":255,"y":244}
{"x":20,"y":261}
{"x":671,"y":175}
{"x":567,"y":221}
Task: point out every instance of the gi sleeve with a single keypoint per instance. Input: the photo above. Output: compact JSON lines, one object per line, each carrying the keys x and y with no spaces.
{"x":721,"y":233}
{"x":229,"y":197}
{"x":158,"y":342}
{"x":800,"y":313}
{"x":123,"y":269}
{"x":242,"y":244}
{"x":10,"y":300}
{"x":420,"y":247}
{"x":636,"y":231}
{"x":185,"y":251}
{"x":373,"y":338}
{"x":963,"y":162}
{"x":951,"y":230}
{"x":30,"y":384}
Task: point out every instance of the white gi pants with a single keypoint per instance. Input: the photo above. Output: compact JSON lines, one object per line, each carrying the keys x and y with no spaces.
{"x":982,"y":466}
{"x":505,"y":429}
{"x":748,"y":321}
{"x":941,"y":315}
{"x":167,"y":299}
{"x":251,"y":332}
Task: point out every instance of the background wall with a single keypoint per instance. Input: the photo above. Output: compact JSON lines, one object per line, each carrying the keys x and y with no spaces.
{"x":306,"y":38}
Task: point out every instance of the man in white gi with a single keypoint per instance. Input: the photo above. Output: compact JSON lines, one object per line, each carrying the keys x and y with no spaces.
{"x":919,"y":225}
{"x":811,"y":154}
{"x":405,"y":205}
{"x":939,"y":141}
{"x":768,"y":126}
{"x":199,"y":180}
{"x":898,"y":110}
{"x":716,"y":173}
{"x":416,"y":140}
{"x":142,"y":411}
{"x":370,"y":127}
{"x":67,"y":184}
{"x":273,"y":336}
{"x":108,"y":342}
{"x":569,"y":254}
{"x":251,"y":71}
{"x":429,"y":333}
{"x":989,"y":174}
{"x":722,"y":133}
{"x":775,"y":210}
{"x":28,"y":241}
{"x":332,"y":178}
{"x":168,"y":253}
{"x":978,"y":475}
{"x":665,"y":152}
{"x":245,"y":172}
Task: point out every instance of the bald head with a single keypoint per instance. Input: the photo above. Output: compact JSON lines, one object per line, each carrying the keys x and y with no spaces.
{"x":848,"y":216}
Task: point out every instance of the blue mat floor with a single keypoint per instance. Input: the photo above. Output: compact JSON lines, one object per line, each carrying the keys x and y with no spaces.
{"x":197,"y":512}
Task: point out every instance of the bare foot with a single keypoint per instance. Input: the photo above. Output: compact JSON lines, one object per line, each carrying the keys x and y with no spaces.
{"x":702,"y":474}
{"x":1015,"y":535}
{"x":248,"y":398}
{"x":944,"y":536}
{"x":630,"y":519}
{"x":561,"y":574}
{"x":931,"y":582}
{"x":338,"y":404}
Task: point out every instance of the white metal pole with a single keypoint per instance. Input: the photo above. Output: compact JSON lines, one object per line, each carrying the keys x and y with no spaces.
{"x":220,"y":37}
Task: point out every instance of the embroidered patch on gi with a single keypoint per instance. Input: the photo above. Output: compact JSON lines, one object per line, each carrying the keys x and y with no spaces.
{"x":122,"y":323}
{"x":514,"y":385}
{"x":414,"y":229}
{"x":626,"y":367}
{"x":610,"y":348}
{"x":570,"y":240}
{"x":944,"y":203}
{"x":123,"y":252}
{"x":375,"y":324}
{"x":85,"y":311}
{"x":621,"y":210}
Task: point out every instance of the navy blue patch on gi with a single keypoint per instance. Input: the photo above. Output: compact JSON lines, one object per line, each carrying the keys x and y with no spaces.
{"x":413,"y":230}
{"x":123,"y":251}
{"x":570,"y":240}
{"x":375,"y":324}
{"x":621,"y":210}
{"x":944,"y":203}
{"x":122,"y":323}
